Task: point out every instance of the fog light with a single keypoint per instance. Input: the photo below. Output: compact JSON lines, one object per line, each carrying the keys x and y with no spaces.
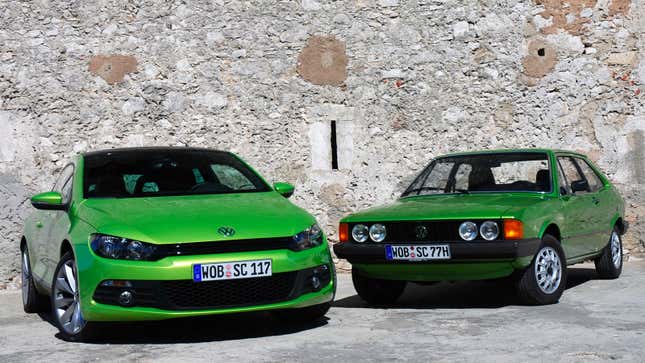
{"x":126,"y":298}
{"x":315,"y":282}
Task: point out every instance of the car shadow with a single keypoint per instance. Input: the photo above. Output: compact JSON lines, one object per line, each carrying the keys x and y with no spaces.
{"x":197,"y":329}
{"x":485,"y":294}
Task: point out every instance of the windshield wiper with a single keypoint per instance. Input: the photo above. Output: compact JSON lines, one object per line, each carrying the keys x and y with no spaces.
{"x":419,"y":190}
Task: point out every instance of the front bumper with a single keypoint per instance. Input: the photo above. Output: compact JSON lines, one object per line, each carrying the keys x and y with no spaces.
{"x":469,"y":261}
{"x":460,"y":251}
{"x":162,"y":303}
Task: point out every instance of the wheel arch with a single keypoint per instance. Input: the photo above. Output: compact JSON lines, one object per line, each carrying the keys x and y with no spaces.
{"x":66,"y":246}
{"x":552,"y":229}
{"x":620,"y":223}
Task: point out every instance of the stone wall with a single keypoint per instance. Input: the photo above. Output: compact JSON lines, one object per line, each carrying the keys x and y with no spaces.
{"x":403,"y":81}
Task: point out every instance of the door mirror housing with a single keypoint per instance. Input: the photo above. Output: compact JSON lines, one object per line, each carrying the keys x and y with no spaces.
{"x":48,"y":201}
{"x":579,"y":186}
{"x":285,"y":189}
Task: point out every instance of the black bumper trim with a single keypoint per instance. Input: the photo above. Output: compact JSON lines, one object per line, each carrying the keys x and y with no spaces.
{"x":460,"y":251}
{"x":221,"y":294}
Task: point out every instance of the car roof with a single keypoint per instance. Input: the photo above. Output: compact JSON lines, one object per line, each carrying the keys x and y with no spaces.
{"x":149,"y":149}
{"x":502,"y":151}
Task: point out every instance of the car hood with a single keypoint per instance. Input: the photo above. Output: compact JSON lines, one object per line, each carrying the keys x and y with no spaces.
{"x":452,"y":206}
{"x":195,"y":218}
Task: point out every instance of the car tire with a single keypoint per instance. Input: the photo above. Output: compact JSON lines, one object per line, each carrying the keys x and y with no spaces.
{"x":65,"y":303}
{"x":609,"y":264}
{"x":32,"y":300}
{"x":377,"y":291}
{"x":544,"y":281}
{"x":305,"y":315}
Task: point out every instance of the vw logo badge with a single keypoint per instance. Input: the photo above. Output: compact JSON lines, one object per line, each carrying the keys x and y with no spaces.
{"x":421,"y":232}
{"x":226,"y":231}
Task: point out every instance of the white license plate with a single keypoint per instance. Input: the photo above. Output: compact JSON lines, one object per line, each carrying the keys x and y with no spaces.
{"x":231,"y":270}
{"x":417,"y":252}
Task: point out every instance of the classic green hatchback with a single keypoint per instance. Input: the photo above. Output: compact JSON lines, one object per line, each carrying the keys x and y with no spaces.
{"x":158,"y":233}
{"x":485,"y":215}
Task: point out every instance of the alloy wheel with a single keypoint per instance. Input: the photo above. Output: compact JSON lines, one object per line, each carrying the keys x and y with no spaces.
{"x":616,"y":251}
{"x":548,"y":270}
{"x":67,"y":305}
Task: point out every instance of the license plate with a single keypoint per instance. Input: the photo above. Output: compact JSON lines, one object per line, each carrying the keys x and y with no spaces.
{"x":417,"y":252}
{"x":231,"y":270}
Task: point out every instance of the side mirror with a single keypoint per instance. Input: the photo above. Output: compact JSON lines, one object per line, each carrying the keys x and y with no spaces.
{"x":48,"y":201}
{"x":579,"y":186}
{"x":285,"y":189}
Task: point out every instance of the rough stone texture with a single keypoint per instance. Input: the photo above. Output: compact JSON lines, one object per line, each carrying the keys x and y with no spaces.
{"x":423,"y":78}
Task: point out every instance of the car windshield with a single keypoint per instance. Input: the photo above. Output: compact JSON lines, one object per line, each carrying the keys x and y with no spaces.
{"x":165,"y":172}
{"x":494,"y":172}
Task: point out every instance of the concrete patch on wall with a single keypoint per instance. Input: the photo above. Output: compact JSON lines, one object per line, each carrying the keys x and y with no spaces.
{"x":7,"y":139}
{"x":112,"y":68}
{"x":14,"y":204}
{"x":636,"y":140}
{"x":319,"y":136}
{"x":540,"y":60}
{"x":323,"y":61}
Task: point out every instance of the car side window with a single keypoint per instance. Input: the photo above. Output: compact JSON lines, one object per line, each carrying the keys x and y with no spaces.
{"x":568,"y":167}
{"x":562,"y":182}
{"x":66,"y":173}
{"x":595,"y":184}
{"x":66,"y":190}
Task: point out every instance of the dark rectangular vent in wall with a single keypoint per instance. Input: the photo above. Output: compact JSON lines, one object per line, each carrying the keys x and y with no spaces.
{"x":334,"y":147}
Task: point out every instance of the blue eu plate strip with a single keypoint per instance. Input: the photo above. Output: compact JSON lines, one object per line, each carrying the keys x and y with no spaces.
{"x":197,"y":272}
{"x":388,"y":252}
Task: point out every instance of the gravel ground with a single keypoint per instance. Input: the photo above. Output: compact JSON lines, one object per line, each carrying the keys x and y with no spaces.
{"x":596,"y":320}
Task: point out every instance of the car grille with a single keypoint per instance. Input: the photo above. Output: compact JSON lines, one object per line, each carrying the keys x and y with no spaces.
{"x":186,"y":294}
{"x":207,"y":248}
{"x":189,"y":295}
{"x":437,"y":231}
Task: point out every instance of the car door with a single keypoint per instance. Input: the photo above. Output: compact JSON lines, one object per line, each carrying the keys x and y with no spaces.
{"x":601,"y":212}
{"x":53,"y":233}
{"x":578,"y":209}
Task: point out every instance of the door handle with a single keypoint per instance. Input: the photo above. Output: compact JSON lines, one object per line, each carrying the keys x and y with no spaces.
{"x":39,"y":224}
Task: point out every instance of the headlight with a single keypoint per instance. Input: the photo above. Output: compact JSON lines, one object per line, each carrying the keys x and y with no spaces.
{"x":309,"y":238}
{"x":360,"y":233}
{"x":489,"y":230}
{"x":377,"y":232}
{"x":468,"y":231}
{"x":121,"y":248}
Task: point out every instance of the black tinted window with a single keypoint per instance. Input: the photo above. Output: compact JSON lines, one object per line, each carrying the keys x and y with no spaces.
{"x":163,"y":172}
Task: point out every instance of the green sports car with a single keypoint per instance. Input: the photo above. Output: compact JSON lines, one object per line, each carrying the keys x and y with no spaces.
{"x":158,"y":233}
{"x":526,"y":214}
